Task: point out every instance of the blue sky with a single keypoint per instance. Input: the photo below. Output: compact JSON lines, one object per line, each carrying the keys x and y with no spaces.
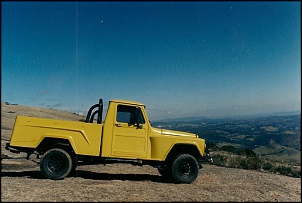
{"x":180,"y":59}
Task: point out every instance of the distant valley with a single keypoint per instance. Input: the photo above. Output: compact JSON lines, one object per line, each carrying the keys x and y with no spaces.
{"x":276,"y":137}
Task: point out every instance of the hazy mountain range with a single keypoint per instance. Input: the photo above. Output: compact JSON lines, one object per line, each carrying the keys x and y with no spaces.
{"x":196,"y":118}
{"x":276,"y":136}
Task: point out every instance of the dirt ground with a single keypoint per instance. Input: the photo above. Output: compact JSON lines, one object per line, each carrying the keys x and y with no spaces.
{"x":22,"y":181}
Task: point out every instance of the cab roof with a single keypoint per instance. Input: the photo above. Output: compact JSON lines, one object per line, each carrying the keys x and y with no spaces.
{"x":126,"y":102}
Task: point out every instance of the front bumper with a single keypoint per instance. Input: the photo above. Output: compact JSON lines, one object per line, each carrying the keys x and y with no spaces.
{"x":207,"y":156}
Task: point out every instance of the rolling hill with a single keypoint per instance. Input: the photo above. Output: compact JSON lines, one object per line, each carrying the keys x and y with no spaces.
{"x":255,"y":133}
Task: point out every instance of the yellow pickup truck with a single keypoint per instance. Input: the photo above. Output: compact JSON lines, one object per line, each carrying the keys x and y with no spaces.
{"x":125,"y":136}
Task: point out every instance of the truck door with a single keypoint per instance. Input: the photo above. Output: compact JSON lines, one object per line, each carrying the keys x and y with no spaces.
{"x":129,"y":133}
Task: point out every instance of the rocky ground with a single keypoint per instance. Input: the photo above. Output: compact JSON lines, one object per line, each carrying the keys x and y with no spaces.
{"x":21,"y":180}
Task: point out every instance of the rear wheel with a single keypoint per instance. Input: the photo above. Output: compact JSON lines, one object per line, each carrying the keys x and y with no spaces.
{"x":184,"y":169}
{"x":56,"y":164}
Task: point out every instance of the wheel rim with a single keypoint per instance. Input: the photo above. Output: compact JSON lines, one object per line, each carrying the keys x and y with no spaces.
{"x":55,"y":163}
{"x":184,"y":169}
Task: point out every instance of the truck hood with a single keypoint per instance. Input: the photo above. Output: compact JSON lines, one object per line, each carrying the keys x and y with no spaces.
{"x":174,"y":132}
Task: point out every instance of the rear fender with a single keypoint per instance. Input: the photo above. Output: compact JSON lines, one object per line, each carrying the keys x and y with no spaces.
{"x":50,"y":143}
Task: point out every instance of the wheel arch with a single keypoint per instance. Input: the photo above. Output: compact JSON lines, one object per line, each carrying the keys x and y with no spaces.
{"x":183,"y":149}
{"x":50,"y":142}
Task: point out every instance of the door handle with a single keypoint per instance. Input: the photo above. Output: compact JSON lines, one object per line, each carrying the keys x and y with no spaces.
{"x":118,"y":125}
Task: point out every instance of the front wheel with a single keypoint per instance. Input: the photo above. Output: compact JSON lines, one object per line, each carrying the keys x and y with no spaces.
{"x":56,"y":164}
{"x":184,"y":169}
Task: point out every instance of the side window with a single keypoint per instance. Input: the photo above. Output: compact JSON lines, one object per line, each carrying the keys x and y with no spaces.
{"x":129,"y":114}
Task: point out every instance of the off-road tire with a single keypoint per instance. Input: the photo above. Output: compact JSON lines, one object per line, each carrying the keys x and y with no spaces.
{"x":184,"y":169}
{"x":56,"y":164}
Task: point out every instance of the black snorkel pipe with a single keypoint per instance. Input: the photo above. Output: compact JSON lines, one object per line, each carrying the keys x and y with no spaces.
{"x":99,"y":111}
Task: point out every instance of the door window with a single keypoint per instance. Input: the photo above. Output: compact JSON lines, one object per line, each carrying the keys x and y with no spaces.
{"x":129,"y":114}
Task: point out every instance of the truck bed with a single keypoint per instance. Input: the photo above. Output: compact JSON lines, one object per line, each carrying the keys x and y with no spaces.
{"x":29,"y":132}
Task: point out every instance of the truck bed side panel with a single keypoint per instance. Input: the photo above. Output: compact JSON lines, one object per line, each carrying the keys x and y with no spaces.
{"x":85,"y":138}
